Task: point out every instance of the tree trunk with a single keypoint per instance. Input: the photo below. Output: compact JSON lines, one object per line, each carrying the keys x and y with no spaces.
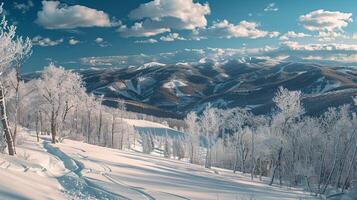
{"x":235,"y":164}
{"x":5,"y":123}
{"x":37,"y":129}
{"x":113,"y":127}
{"x":76,"y":122}
{"x":208,"y":158}
{"x":89,"y":127}
{"x":322,"y":167}
{"x":122,"y":140}
{"x":252,"y":157}
{"x":336,"y":147}
{"x":53,"y":127}
{"x":349,"y":168}
{"x":260,"y":169}
{"x":276,"y":166}
{"x":17,"y":103}
{"x":100,"y":125}
{"x":192,"y":151}
{"x":41,"y":123}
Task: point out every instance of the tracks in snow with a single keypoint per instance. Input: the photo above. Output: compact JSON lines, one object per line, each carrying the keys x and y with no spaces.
{"x":76,"y":185}
{"x":135,"y":189}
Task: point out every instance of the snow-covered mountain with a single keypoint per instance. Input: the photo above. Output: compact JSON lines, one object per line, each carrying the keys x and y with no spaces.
{"x":174,"y":90}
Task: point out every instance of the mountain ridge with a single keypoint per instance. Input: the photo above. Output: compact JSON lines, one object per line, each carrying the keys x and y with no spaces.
{"x":173,"y":90}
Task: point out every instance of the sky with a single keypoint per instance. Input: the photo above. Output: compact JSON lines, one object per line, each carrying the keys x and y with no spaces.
{"x":116,"y":33}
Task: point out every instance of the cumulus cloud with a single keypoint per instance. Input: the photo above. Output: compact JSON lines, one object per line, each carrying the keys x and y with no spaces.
{"x":23,"y":7}
{"x":171,"y":37}
{"x":73,"y":41}
{"x":344,"y":58}
{"x":224,"y":29}
{"x":55,"y":15}
{"x":151,"y":41}
{"x":161,"y":16}
{"x":45,"y":41}
{"x":271,"y":8}
{"x":325,"y":21}
{"x":101,"y":42}
{"x":185,"y":56}
{"x":292,"y":34}
{"x":139,"y":30}
{"x":296,"y":46}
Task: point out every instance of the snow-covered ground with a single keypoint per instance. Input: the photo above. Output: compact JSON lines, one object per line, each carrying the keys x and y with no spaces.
{"x":144,"y":123}
{"x":148,"y":127}
{"x":76,"y":170}
{"x":31,"y":174}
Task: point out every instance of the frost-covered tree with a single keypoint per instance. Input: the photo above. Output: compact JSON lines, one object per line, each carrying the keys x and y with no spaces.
{"x":12,"y":50}
{"x":210,"y":124}
{"x":167,"y":147}
{"x":289,"y":110}
{"x":59,"y":88}
{"x":147,"y":143}
{"x":178,"y":148}
{"x":193,"y":131}
{"x":236,"y":119}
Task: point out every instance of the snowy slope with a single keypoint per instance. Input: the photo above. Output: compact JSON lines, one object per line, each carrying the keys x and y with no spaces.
{"x":85,"y":171}
{"x":31,"y":174}
{"x":145,"y":127}
{"x":144,"y":123}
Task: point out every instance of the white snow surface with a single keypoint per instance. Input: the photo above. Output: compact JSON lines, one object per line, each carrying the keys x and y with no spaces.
{"x":144,"y":123}
{"x":174,"y":84}
{"x":31,"y":174}
{"x":76,"y":170}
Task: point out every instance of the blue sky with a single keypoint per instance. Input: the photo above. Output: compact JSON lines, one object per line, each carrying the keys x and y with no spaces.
{"x":81,"y":33}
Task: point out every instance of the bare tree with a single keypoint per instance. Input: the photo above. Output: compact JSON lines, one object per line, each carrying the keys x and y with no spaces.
{"x":58,"y":87}
{"x":12,"y":49}
{"x":290,"y":109}
{"x":210,"y":127}
{"x":193,"y":130}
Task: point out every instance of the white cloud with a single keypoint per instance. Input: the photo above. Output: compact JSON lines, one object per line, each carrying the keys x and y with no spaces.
{"x":186,"y":13}
{"x":23,"y":7}
{"x":319,"y":46}
{"x":325,"y":21}
{"x":101,"y":42}
{"x":45,"y":42}
{"x":189,"y":56}
{"x":159,"y":16}
{"x":344,"y":58}
{"x":60,"y":16}
{"x":151,"y":41}
{"x":138,"y":30}
{"x":330,"y":36}
{"x":171,"y":37}
{"x":292,"y":34}
{"x":73,"y":41}
{"x":271,"y":8}
{"x":224,"y":29}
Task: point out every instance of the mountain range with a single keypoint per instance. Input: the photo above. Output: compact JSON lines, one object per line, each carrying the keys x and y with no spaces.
{"x":172,"y":90}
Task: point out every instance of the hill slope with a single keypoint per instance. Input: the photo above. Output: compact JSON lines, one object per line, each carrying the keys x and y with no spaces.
{"x":174,"y":90}
{"x":83,"y":171}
